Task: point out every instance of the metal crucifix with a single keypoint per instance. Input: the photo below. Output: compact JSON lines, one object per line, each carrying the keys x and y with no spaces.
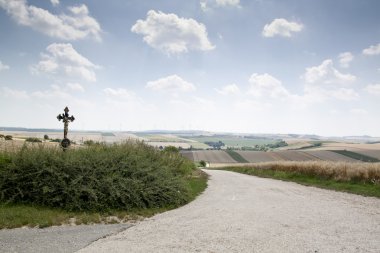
{"x":65,"y":143}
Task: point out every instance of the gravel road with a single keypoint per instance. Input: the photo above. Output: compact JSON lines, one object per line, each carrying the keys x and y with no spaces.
{"x":60,"y":239}
{"x":240,"y":213}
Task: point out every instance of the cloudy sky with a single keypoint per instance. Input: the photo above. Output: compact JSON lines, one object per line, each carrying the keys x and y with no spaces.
{"x":254,"y":66}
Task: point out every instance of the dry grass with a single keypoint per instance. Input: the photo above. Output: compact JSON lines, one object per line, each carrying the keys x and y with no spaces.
{"x":339,"y":171}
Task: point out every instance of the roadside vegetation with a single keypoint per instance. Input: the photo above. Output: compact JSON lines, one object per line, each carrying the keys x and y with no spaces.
{"x":357,"y":178}
{"x":42,"y":186}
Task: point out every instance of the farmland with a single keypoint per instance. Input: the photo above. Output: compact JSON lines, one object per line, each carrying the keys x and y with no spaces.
{"x":219,"y":156}
{"x":299,"y":148}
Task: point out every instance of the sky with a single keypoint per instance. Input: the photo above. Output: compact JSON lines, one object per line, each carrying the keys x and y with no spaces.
{"x":242,"y":66}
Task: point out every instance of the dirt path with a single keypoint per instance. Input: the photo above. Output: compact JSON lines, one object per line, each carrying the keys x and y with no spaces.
{"x":240,"y":213}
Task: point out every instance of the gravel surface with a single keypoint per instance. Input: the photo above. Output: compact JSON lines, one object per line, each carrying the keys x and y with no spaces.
{"x":240,"y":213}
{"x":54,"y":239}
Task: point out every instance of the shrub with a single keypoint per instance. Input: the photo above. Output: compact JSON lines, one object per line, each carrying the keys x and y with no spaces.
{"x":8,"y":137}
{"x":171,"y":149}
{"x":33,"y":139}
{"x":96,"y":178}
{"x":202,"y":163}
{"x":46,"y":137}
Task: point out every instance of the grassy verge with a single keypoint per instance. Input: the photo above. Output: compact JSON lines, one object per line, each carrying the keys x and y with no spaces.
{"x":357,"y":156}
{"x":19,"y":215}
{"x":333,"y":180}
{"x":236,"y":156}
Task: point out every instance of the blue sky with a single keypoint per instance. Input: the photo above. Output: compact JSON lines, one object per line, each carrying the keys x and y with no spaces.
{"x":217,"y":65}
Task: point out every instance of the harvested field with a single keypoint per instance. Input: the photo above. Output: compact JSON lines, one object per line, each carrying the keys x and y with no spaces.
{"x":330,"y":156}
{"x":258,"y":156}
{"x":296,"y":156}
{"x":371,"y":153}
{"x":213,"y":156}
{"x":188,"y":154}
{"x":348,"y":146}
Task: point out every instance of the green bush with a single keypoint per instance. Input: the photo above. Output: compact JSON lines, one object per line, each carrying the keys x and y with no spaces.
{"x":33,"y":139}
{"x":95,"y":178}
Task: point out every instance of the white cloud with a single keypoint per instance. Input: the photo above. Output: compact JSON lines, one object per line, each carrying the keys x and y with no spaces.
{"x":345,"y":59}
{"x":172,"y":34}
{"x":344,"y":94}
{"x":373,"y":89}
{"x":55,"y":92}
{"x":372,"y":50}
{"x":77,"y":24}
{"x":325,"y":82}
{"x":266,"y":85}
{"x":64,"y":59}
{"x":13,"y":93}
{"x":75,"y":87}
{"x":128,"y":101}
{"x":207,"y":4}
{"x":119,"y":93}
{"x":230,"y":89}
{"x":281,"y":27}
{"x":3,"y":66}
{"x":54,"y":2}
{"x":326,"y":74}
{"x":171,"y":84}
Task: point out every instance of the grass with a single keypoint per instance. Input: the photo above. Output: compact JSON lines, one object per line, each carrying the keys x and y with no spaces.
{"x":362,"y":179}
{"x":19,"y":215}
{"x":236,"y":156}
{"x":357,"y":156}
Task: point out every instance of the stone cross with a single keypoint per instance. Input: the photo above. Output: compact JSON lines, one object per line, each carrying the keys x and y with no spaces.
{"x":66,"y":119}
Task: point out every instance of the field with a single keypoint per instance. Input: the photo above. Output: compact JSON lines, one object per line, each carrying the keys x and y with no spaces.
{"x":211,"y":156}
{"x":233,"y":141}
{"x":219,"y":156}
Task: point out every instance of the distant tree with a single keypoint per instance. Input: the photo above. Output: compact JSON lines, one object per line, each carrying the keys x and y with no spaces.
{"x":46,"y":137}
{"x":8,"y":137}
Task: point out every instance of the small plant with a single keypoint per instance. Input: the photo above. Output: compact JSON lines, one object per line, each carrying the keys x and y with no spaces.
{"x":8,"y":137}
{"x":89,"y":142}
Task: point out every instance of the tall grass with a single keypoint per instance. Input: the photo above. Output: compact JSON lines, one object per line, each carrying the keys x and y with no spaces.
{"x":358,"y":178}
{"x":95,"y":178}
{"x":339,"y":171}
